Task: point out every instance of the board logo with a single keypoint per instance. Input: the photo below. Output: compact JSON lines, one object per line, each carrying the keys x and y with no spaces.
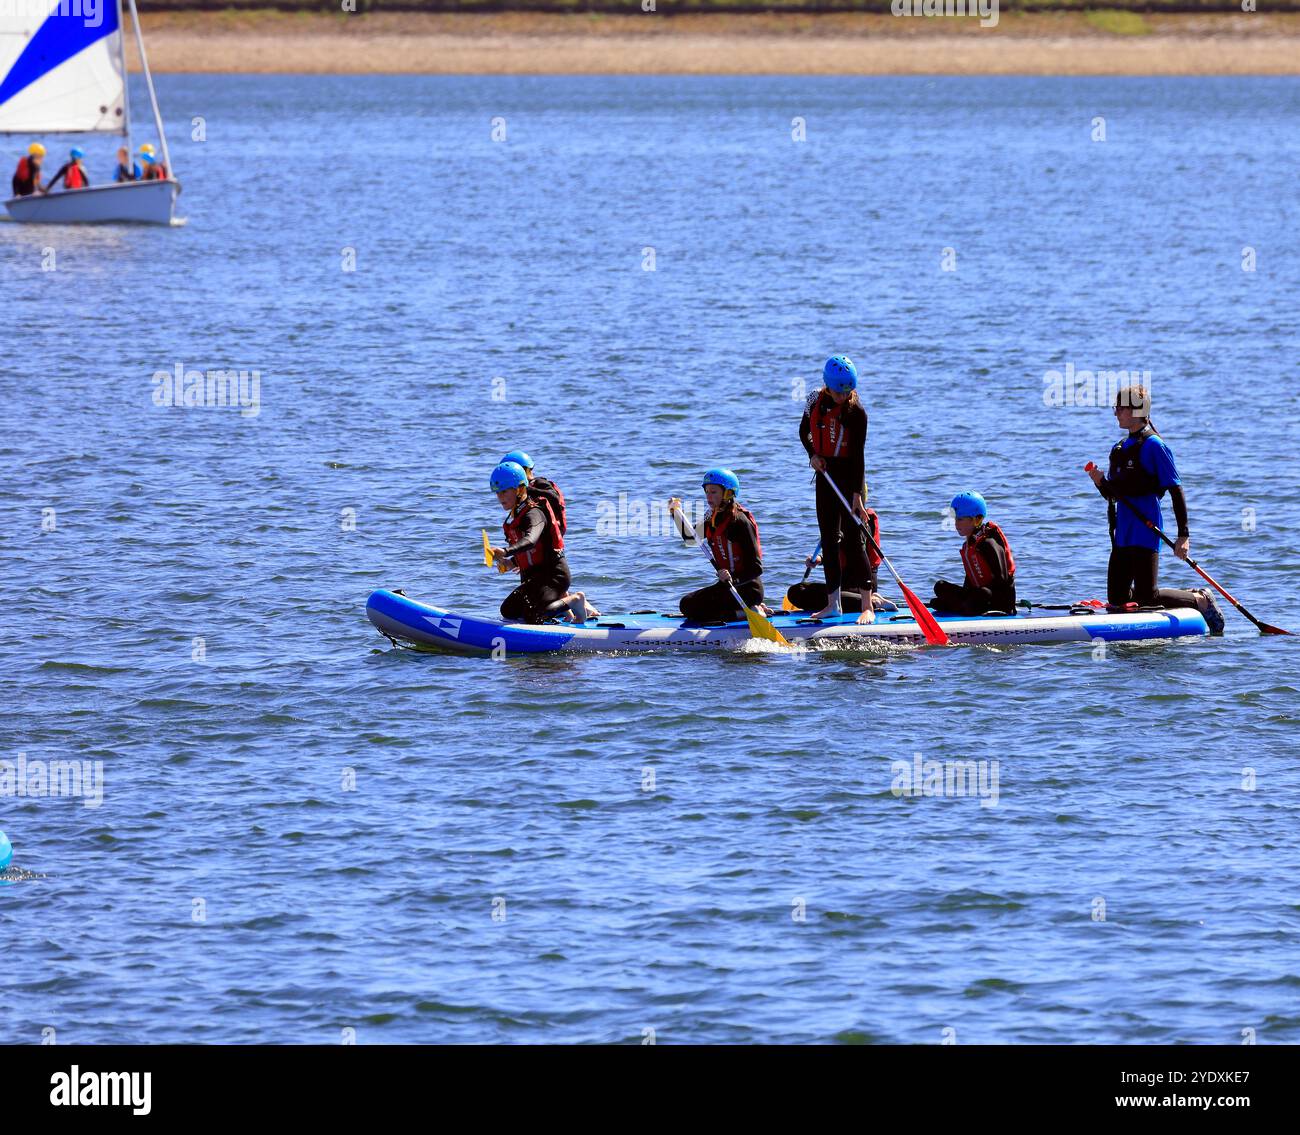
{"x":444,"y":623}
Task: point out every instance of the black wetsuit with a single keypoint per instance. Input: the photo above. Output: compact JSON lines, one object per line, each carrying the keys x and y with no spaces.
{"x":542,"y":586}
{"x":968,"y":598}
{"x":836,"y":526}
{"x":715,"y":603}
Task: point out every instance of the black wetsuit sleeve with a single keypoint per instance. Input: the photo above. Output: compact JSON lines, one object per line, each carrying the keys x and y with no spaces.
{"x":741,"y":533}
{"x":995,"y":555}
{"x":534,"y":527}
{"x":1179,"y":501}
{"x":805,"y":433}
{"x":58,"y":176}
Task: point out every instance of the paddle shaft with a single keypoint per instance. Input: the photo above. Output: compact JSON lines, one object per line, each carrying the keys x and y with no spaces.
{"x":811,"y":561}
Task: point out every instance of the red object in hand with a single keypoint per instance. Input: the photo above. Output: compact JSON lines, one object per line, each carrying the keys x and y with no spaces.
{"x":1089,"y":467}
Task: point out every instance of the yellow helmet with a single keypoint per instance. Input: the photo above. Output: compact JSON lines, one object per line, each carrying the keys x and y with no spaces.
{"x":36,"y":150}
{"x":147,"y":148}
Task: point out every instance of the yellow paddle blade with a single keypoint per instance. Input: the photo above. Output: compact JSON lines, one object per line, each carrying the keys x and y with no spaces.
{"x":487,"y":550}
{"x":761,"y":627}
{"x":786,"y":605}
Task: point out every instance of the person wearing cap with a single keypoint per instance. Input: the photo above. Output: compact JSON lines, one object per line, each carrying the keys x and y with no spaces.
{"x":27,"y":177}
{"x":534,"y":545}
{"x":730,"y":532}
{"x":540,"y":486}
{"x":127,"y":170}
{"x":833,"y":431}
{"x":990,"y":583}
{"x":72,"y":173}
{"x":1141,"y":471}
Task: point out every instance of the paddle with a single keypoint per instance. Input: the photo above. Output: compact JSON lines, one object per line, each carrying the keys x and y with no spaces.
{"x":934,"y":633}
{"x":786,"y":605}
{"x":1264,"y":628}
{"x":488,"y":560}
{"x":759,"y":625}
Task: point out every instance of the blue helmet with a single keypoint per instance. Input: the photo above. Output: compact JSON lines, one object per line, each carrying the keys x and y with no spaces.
{"x":520,"y":458}
{"x":969,"y":505}
{"x":78,"y":152}
{"x":507,"y":475}
{"x":839,"y":374}
{"x":724,"y":477}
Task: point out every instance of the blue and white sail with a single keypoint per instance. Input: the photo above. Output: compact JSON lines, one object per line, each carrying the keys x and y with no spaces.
{"x":61,"y":67}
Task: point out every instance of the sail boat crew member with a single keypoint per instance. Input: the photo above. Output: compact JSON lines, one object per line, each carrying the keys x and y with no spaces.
{"x":72,"y":173}
{"x":127,"y":170}
{"x":27,"y":177}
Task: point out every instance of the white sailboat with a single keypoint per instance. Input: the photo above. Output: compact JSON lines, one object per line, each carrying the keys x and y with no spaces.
{"x":63,"y":71}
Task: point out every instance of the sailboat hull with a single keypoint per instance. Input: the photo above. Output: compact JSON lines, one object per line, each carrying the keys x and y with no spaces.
{"x":131,"y":202}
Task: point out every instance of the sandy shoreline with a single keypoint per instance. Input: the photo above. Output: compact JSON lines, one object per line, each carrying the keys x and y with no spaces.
{"x":850,"y":44}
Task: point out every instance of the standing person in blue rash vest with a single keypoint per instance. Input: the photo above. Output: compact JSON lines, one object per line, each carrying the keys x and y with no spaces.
{"x":541,"y":487}
{"x":535,"y":546}
{"x":990,"y":583}
{"x":730,"y":532}
{"x":1141,"y":471}
{"x":833,"y":431}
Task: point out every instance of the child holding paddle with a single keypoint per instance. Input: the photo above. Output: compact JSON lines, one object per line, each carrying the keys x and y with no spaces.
{"x":730,"y":534}
{"x":805,"y":596}
{"x":1141,"y":471}
{"x":833,"y":431}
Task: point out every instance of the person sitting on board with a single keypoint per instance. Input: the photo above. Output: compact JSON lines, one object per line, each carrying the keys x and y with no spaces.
{"x":806,"y":596}
{"x":833,"y":431}
{"x":127,"y":170}
{"x":27,"y":177}
{"x":990,"y":567}
{"x":72,"y":173}
{"x":1141,"y":471}
{"x":731,"y":534}
{"x":535,"y":546}
{"x":541,"y":487}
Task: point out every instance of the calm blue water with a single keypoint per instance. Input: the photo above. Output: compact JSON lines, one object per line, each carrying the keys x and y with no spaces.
{"x":767,"y":886}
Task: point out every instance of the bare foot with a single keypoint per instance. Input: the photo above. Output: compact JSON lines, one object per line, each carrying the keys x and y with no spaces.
{"x":828,"y":612}
{"x":867,"y":616}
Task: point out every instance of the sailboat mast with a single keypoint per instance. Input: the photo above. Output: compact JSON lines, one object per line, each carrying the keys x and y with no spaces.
{"x":126,"y":85}
{"x":153,"y":97}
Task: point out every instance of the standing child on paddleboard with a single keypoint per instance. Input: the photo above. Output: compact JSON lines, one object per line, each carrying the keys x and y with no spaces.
{"x":1141,"y":471}
{"x":833,"y":431}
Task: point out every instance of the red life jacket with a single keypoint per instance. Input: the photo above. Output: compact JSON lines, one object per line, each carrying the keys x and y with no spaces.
{"x":74,"y":178}
{"x":24,"y":170}
{"x":873,"y":523}
{"x":550,"y":491}
{"x":827,"y":423}
{"x":978,"y":573}
{"x":728,"y":555}
{"x":547,"y":548}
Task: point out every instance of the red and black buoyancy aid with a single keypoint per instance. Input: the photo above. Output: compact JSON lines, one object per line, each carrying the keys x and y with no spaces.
{"x":873,"y":523}
{"x":74,"y":178}
{"x":554,"y":497}
{"x":978,"y":573}
{"x":827,"y":422}
{"x":741,"y":562}
{"x":1128,"y":477}
{"x":547,"y":548}
{"x":24,"y":182}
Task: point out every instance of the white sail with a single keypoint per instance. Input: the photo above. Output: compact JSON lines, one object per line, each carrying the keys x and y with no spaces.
{"x":60,"y":67}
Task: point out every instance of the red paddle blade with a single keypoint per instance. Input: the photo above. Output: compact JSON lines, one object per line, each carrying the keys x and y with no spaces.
{"x":934,"y":633}
{"x":1264,"y":628}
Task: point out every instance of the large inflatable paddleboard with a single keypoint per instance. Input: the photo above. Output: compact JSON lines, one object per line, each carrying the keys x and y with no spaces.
{"x":419,"y":624}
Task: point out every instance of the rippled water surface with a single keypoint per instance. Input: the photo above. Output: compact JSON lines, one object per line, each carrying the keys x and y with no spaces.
{"x":304,"y":831}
